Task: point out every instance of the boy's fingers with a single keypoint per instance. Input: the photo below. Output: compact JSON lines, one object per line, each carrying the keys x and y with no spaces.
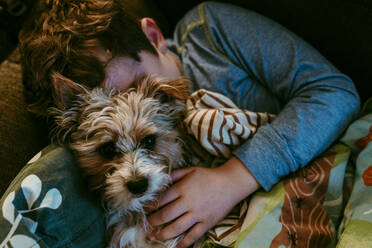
{"x":168,"y":196}
{"x":193,"y":235}
{"x":166,"y":214}
{"x":181,"y":225}
{"x":180,"y":173}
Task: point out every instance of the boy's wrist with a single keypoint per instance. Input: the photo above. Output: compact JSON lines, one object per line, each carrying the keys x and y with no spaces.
{"x":239,"y":177}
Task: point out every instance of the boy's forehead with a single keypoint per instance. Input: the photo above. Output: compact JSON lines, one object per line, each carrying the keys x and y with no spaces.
{"x":122,"y":71}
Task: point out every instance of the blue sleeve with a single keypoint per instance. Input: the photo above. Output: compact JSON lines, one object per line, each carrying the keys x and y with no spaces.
{"x":262,"y":66}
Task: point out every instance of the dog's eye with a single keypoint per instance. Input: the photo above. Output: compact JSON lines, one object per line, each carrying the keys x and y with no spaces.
{"x":108,"y":150}
{"x":111,"y":170}
{"x":148,"y":142}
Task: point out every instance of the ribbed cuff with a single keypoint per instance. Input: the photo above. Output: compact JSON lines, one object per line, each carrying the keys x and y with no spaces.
{"x":267,"y":157}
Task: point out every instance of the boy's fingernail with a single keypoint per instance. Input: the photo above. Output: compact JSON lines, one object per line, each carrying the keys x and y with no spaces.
{"x":151,"y":237}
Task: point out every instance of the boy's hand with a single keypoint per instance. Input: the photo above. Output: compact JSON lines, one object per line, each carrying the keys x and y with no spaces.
{"x":199,"y":198}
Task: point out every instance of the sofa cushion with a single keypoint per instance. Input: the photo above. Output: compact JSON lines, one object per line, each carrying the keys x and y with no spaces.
{"x":21,"y":135}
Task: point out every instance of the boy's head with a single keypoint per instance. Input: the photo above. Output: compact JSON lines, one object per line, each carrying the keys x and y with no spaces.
{"x":92,"y":42}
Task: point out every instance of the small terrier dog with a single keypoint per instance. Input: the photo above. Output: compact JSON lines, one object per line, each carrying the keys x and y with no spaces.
{"x":126,"y":144}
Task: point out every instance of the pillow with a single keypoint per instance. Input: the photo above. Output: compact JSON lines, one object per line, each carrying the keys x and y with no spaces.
{"x":48,"y":205}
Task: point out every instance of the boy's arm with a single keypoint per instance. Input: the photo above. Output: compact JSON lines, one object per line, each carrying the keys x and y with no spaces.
{"x":263,"y":67}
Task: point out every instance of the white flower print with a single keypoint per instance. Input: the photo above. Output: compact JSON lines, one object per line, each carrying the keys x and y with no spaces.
{"x":31,"y":187}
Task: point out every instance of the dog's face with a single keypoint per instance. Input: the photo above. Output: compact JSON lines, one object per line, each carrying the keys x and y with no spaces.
{"x":126,"y":143}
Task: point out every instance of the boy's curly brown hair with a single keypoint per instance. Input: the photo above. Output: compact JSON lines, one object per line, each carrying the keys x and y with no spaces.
{"x":61,"y":36}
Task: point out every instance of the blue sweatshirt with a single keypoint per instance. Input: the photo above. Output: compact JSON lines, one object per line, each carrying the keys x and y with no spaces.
{"x":264,"y":67}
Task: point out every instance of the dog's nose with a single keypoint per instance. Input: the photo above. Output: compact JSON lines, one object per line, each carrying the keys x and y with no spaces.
{"x":138,"y":186}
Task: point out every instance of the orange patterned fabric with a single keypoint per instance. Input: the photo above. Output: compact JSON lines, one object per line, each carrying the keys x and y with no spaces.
{"x":305,"y":222}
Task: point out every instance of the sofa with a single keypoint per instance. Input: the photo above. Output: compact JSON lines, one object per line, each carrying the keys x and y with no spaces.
{"x":340,"y":29}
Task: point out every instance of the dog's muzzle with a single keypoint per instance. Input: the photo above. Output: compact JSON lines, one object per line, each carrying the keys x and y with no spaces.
{"x":138,"y":186}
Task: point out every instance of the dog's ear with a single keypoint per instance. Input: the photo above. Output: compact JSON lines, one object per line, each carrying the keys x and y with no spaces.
{"x":65,"y":91}
{"x":176,"y":89}
{"x":65,"y":120}
{"x":166,"y":91}
{"x":172,"y":94}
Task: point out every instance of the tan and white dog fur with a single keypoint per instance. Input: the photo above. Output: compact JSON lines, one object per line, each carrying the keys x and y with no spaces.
{"x":126,"y":144}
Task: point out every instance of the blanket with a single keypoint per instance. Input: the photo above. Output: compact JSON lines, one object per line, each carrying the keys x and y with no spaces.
{"x":303,"y":210}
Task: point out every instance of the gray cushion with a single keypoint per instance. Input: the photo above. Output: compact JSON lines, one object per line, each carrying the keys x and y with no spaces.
{"x":48,"y":204}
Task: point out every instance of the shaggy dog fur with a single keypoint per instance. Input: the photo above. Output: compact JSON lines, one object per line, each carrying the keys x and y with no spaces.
{"x":126,"y":144}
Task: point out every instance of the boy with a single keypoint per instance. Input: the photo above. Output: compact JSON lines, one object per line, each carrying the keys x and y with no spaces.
{"x":257,"y":63}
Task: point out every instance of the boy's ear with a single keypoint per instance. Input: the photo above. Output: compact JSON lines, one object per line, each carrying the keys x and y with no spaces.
{"x":153,"y":34}
{"x":65,"y":91}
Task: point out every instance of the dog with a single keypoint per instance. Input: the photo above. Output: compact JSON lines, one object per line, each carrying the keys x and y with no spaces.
{"x":126,"y":144}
